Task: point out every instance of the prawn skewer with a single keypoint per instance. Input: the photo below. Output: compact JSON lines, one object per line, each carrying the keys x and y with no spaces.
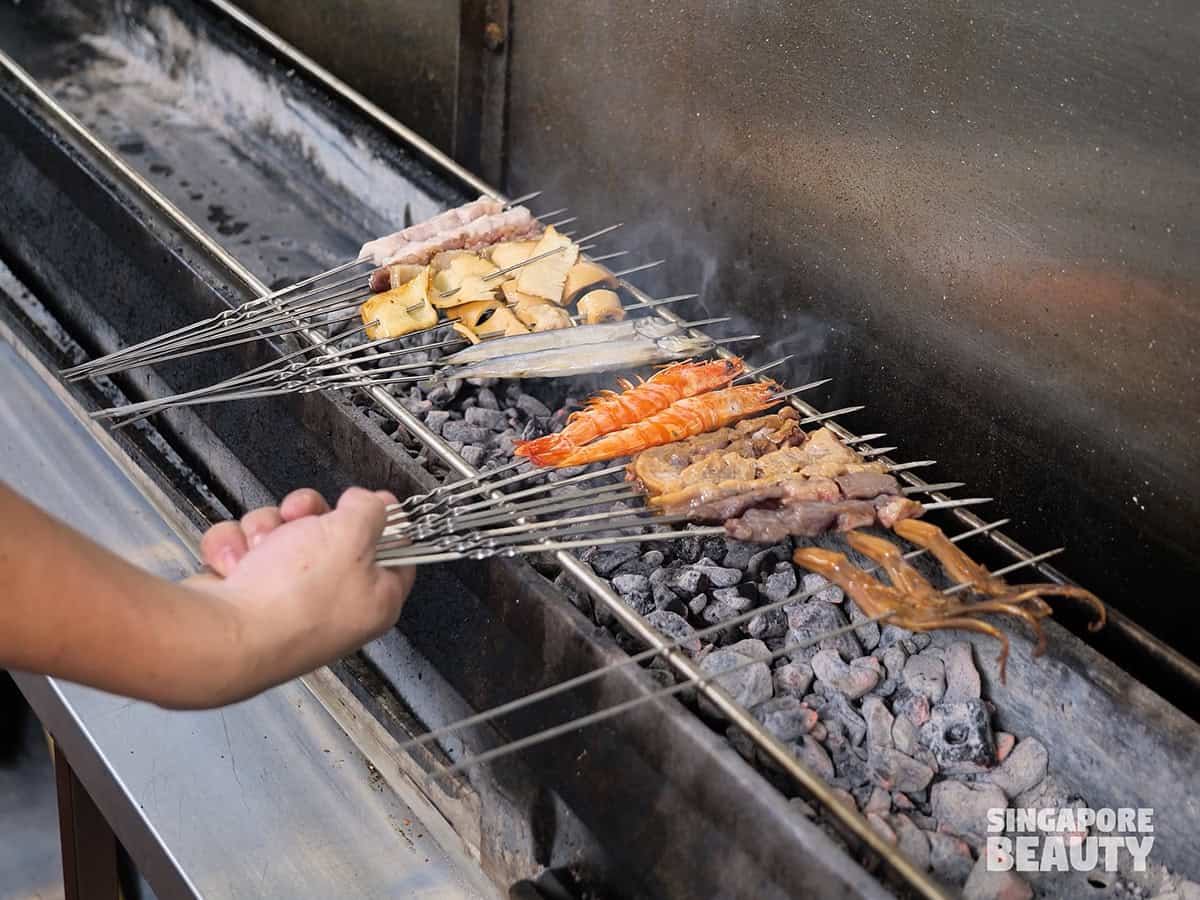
{"x":682,"y":419}
{"x":610,"y":411}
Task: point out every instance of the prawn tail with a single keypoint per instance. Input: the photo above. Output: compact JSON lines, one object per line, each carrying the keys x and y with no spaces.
{"x":545,"y":451}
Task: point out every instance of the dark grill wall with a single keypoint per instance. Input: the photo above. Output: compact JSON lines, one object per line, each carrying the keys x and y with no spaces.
{"x":982,"y":218}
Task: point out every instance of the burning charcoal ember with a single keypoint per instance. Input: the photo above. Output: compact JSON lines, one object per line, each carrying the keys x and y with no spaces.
{"x":906,"y":736}
{"x":880,"y":802}
{"x":698,"y":604}
{"x":898,"y":771}
{"x":830,"y":593}
{"x":962,"y":809}
{"x":880,"y":722}
{"x":912,"y":842}
{"x":1004,"y":744}
{"x":749,"y":685}
{"x":436,"y":420}
{"x":845,"y":797}
{"x":676,"y":628}
{"x":962,"y":678}
{"x":881,"y":828}
{"x":811,"y":618}
{"x":1024,"y":768}
{"x":635,"y":591}
{"x":854,"y":679}
{"x":813,"y":755}
{"x":949,"y":857}
{"x":780,"y":584}
{"x":986,"y":884}
{"x":785,"y":717}
{"x":771,"y":624}
{"x":820,"y":732}
{"x":532,"y":406}
{"x":491,"y":419}
{"x":717,"y":576}
{"x":793,"y":679}
{"x":926,"y":675}
{"x":960,"y":737}
{"x":838,"y":709}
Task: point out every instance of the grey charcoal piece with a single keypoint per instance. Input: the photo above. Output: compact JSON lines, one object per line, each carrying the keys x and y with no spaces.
{"x":960,"y":737}
{"x":962,"y":809}
{"x":676,"y":628}
{"x":880,"y":722}
{"x":911,"y":840}
{"x":986,"y":884}
{"x":962,"y":678}
{"x":1023,"y":768}
{"x":898,"y":771}
{"x":811,"y":618}
{"x":852,"y":679}
{"x":749,"y":685}
{"x":926,"y":675}
{"x":492,"y":419}
{"x":785,"y":717}
{"x":532,"y":406}
{"x":949,"y":857}
{"x":780,"y":584}
{"x":793,"y":679}
{"x":830,"y":593}
{"x":813,"y":755}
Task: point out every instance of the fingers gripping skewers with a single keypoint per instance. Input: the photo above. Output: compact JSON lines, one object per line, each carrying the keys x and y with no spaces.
{"x":912,"y":603}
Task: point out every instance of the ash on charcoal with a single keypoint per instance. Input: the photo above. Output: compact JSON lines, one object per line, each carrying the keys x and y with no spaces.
{"x":689,"y":581}
{"x":785,"y":717}
{"x":736,"y":553}
{"x":766,"y":560}
{"x":813,"y":755}
{"x":962,"y":678}
{"x":985,"y":884}
{"x":898,"y":771}
{"x":687,"y":549}
{"x":882,"y":828}
{"x":960,"y":737}
{"x":793,"y":679}
{"x":653,"y":558}
{"x":879,"y":802}
{"x":533,"y":407}
{"x":926,"y":675}
{"x":749,"y":685}
{"x":446,"y":391}
{"x":676,"y":628}
{"x":949,"y":857}
{"x":492,"y":419}
{"x":820,"y":589}
{"x":717,"y":576}
{"x":605,"y":561}
{"x":1004,"y":744}
{"x":635,"y":591}
{"x":726,"y":604}
{"x":752,"y":648}
{"x":906,"y":737}
{"x":460,"y":430}
{"x":771,"y":624}
{"x":436,"y":420}
{"x":868,"y":632}
{"x":911,"y":840}
{"x":473,"y":454}
{"x":781,"y":583}
{"x":911,"y":705}
{"x":486,"y":398}
{"x":697,"y":604}
{"x":853,"y":679}
{"x":962,"y":809}
{"x":837,"y":709}
{"x":810,"y":618}
{"x":879,"y":723}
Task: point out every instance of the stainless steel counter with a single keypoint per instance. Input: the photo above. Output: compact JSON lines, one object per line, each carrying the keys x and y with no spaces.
{"x":265,"y":798}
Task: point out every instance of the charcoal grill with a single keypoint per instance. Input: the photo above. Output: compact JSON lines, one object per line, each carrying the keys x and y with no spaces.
{"x":89,"y":219}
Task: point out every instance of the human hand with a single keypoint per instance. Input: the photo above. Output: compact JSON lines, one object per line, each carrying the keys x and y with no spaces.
{"x":302,"y":582}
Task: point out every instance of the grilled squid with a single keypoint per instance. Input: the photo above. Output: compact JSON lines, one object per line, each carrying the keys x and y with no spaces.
{"x":401,"y":310}
{"x":510,"y":253}
{"x":536,"y":313}
{"x":598,"y":307}
{"x":585,"y":275}
{"x":547,"y":277}
{"x":465,"y":280}
{"x":487,"y":318}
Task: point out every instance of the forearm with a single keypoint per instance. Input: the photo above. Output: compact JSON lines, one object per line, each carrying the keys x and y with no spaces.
{"x":72,"y":609}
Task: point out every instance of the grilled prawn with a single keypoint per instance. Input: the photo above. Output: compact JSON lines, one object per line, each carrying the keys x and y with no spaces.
{"x":610,"y":411}
{"x":682,"y":419}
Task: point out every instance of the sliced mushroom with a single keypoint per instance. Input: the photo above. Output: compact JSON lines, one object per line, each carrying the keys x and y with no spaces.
{"x":597,"y":307}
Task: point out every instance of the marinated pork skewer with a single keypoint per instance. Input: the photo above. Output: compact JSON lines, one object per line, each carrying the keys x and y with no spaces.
{"x":649,"y":654}
{"x":686,"y":684}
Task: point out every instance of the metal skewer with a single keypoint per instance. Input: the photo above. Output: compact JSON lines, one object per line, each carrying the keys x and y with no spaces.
{"x":617,"y":709}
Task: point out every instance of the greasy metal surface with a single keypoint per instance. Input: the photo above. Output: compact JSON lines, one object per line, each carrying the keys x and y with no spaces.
{"x":405,"y":55}
{"x":981,"y":218}
{"x":267,"y":795}
{"x":689,"y":770}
